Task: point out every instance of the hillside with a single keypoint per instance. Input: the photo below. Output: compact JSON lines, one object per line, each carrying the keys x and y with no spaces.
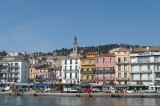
{"x":100,"y":48}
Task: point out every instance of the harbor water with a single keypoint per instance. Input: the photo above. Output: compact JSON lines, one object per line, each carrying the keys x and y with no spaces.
{"x":6,"y":100}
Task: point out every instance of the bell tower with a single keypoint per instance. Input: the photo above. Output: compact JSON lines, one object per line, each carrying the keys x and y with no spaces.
{"x":75,"y":45}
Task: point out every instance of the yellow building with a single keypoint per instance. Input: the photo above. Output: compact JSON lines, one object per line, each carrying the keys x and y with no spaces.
{"x":87,"y":65}
{"x":122,"y":68}
{"x":40,"y":73}
{"x":32,"y":74}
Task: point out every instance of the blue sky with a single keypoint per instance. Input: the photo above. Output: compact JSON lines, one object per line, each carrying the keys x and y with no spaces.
{"x":46,"y":25}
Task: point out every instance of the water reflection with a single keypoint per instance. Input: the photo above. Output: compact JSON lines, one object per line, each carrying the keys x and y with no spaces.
{"x":76,"y":101}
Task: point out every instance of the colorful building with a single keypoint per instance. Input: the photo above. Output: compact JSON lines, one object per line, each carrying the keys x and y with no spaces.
{"x":88,"y":67}
{"x":105,"y":70}
{"x":122,"y":68}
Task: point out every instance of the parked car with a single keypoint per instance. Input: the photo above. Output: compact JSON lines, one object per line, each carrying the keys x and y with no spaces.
{"x":96,"y":90}
{"x":129,"y":92}
{"x":88,"y":91}
{"x":150,"y":91}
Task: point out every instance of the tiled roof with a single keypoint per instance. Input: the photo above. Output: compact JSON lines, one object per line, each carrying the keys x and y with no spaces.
{"x":146,"y":49}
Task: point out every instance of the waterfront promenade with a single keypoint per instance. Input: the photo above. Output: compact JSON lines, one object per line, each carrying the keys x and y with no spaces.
{"x":100,"y":94}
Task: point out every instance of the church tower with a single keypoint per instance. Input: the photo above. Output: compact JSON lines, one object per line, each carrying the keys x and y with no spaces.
{"x":75,"y":45}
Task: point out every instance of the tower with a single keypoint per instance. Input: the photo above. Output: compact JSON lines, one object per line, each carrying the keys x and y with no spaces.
{"x":75,"y":45}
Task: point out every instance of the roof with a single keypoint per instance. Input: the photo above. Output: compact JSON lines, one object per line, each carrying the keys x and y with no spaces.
{"x":106,"y":55}
{"x":146,"y":49}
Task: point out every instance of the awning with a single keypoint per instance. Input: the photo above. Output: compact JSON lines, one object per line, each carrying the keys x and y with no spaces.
{"x":41,"y":85}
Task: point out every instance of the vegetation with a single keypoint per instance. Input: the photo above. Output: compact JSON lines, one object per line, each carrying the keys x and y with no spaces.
{"x":100,"y":48}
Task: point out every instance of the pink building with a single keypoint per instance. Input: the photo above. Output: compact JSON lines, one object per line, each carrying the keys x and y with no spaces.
{"x":105,"y":70}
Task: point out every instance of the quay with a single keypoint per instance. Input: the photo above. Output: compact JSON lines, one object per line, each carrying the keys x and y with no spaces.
{"x":134,"y":95}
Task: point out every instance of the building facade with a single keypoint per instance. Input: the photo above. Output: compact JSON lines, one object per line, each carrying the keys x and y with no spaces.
{"x":71,"y":70}
{"x":122,"y":68}
{"x":14,"y":71}
{"x":88,"y":68}
{"x":145,"y":66}
{"x":105,"y":69}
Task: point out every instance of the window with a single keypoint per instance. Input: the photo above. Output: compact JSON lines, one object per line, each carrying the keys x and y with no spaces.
{"x":65,"y":62}
{"x":125,"y":75}
{"x":75,"y":75}
{"x":65,"y":75}
{"x":76,"y":68}
{"x":97,"y":76}
{"x":90,"y":61}
{"x":111,"y":68}
{"x":87,"y":77}
{"x":140,"y":68}
{"x":76,"y":61}
{"x":104,"y":76}
{"x":70,"y":68}
{"x":104,"y":68}
{"x":92,"y":77}
{"x":97,"y":60}
{"x":148,"y":67}
{"x":125,"y":59}
{"x":16,"y":64}
{"x":97,"y":68}
{"x":82,"y":69}
{"x":119,"y":75}
{"x":119,"y":60}
{"x":83,"y":61}
{"x":65,"y":68}
{"x":70,"y":75}
{"x":125,"y":67}
{"x":119,"y":67}
{"x":110,"y":60}
{"x":104,"y":60}
{"x":31,"y":70}
{"x":82,"y":77}
{"x":70,"y":61}
{"x":87,"y":69}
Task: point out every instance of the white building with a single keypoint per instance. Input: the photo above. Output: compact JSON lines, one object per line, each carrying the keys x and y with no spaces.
{"x":71,"y":70}
{"x":14,"y":71}
{"x":145,"y":67}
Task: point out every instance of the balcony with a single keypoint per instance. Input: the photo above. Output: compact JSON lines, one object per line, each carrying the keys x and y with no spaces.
{"x":157,"y":71}
{"x":157,"y":79}
{"x":88,"y":80}
{"x":108,"y":79}
{"x":104,"y":71}
{"x":141,"y":72}
{"x":122,"y":79}
{"x":10,"y":72}
{"x":88,"y":72}
{"x":88,"y":64}
{"x":122,"y":63}
{"x":71,"y":71}
{"x":144,"y":80}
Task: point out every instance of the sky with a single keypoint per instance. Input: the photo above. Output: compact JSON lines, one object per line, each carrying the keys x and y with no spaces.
{"x":46,"y":25}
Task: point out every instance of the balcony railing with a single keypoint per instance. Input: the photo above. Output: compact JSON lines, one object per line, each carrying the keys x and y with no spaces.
{"x":122,"y":62}
{"x":141,"y":72}
{"x":104,"y":71}
{"x":88,"y":64}
{"x":147,"y":80}
{"x":108,"y":79}
{"x":71,"y":71}
{"x":157,"y":71}
{"x":119,"y":78}
{"x":88,"y":72}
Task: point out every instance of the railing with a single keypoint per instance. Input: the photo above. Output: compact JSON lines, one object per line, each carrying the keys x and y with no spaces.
{"x":71,"y":71}
{"x":88,"y":72}
{"x":157,"y":71}
{"x":143,"y":71}
{"x":103,"y":71}
{"x":119,"y":78}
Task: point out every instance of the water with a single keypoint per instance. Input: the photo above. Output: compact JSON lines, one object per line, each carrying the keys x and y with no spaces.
{"x":75,"y":101}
